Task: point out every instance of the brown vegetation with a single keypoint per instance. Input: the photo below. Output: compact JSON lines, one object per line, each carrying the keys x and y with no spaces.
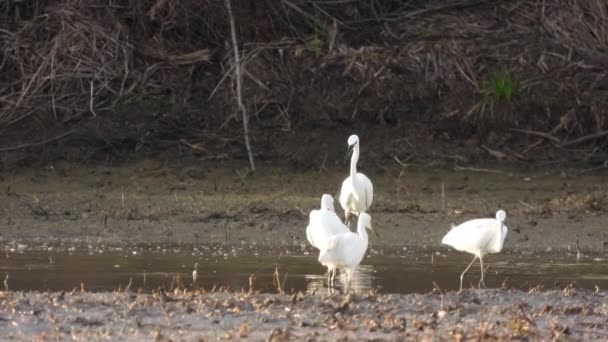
{"x":155,"y":74}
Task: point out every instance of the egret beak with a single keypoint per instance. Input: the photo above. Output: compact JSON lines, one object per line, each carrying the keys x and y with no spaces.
{"x":349,"y":152}
{"x":373,"y":230}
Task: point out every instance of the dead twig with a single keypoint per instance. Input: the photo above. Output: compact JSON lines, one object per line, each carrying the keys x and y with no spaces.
{"x":585,"y":138}
{"x":441,"y":293}
{"x":91,"y":104}
{"x":277,"y":280}
{"x":43,"y":142}
{"x":192,"y":146}
{"x":239,"y":95}
{"x":322,"y":167}
{"x":400,"y":162}
{"x":494,"y":153}
{"x":475,"y":169}
{"x":540,"y":134}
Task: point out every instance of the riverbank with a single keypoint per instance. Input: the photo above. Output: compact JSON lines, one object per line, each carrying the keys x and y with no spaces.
{"x":414,"y":206}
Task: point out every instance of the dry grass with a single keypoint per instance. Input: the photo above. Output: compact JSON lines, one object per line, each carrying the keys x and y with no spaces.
{"x":64,"y":64}
{"x":534,"y":65}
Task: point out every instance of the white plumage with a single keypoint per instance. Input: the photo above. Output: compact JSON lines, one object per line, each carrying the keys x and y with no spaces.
{"x":357,"y":190}
{"x":346,"y":250}
{"x":324,"y":223}
{"x":478,"y":237}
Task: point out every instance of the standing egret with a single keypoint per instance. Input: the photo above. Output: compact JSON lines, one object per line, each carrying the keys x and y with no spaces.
{"x":478,"y":237}
{"x":357,"y":190}
{"x":324,"y":223}
{"x":346,"y":250}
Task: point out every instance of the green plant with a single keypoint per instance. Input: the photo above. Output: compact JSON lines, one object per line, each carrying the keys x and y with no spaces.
{"x":316,"y":42}
{"x":500,"y":86}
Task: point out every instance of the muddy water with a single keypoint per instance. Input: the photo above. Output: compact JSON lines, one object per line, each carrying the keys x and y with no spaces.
{"x":396,"y":271}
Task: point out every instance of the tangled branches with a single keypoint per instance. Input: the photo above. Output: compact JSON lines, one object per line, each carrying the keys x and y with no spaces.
{"x":64,"y":64}
{"x":464,"y":65}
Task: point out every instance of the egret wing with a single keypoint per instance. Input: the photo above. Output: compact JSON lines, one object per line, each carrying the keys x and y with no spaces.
{"x":314,"y":230}
{"x":369,"y":192}
{"x":322,"y":225}
{"x":333,"y":224}
{"x":346,"y":194}
{"x":309,"y":235}
{"x":341,"y":249}
{"x":345,"y":250}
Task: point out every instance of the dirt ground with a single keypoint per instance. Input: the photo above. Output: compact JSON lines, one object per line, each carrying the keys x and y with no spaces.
{"x":148,"y":201}
{"x":197,"y":200}
{"x":567,"y":314}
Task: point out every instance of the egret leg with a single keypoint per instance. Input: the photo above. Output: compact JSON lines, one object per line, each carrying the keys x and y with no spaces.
{"x":332,"y":277}
{"x":347,"y":284}
{"x":481,"y":280}
{"x":347,"y":218}
{"x":349,"y":272}
{"x":465,"y":271}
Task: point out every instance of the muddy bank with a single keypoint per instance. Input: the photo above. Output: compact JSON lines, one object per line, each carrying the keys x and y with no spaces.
{"x":566,"y":314}
{"x":173,"y":202}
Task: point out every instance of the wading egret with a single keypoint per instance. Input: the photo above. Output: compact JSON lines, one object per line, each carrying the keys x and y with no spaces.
{"x":357,"y":190}
{"x":346,"y":250}
{"x":324,"y":223}
{"x":478,"y":237}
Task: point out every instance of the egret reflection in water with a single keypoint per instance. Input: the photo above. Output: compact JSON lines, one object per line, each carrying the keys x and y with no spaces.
{"x":361,"y":282}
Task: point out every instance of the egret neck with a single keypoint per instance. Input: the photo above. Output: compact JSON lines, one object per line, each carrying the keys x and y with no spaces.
{"x":361,"y":231}
{"x":499,"y":237}
{"x":353,"y":166}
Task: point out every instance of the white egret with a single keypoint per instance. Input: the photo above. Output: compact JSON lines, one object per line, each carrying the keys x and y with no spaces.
{"x":324,"y":223}
{"x":478,"y":237}
{"x":357,"y":190}
{"x":346,"y":250}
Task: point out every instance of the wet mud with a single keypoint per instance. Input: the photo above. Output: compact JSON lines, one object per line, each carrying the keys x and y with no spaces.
{"x":95,"y":245}
{"x":548,"y":209}
{"x":566,"y":314}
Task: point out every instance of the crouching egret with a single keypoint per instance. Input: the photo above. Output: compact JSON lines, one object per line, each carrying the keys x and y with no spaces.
{"x":478,"y":237}
{"x":346,"y":250}
{"x":357,"y":190}
{"x":324,"y":223}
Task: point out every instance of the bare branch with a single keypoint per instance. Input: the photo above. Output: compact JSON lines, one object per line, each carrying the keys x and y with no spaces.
{"x":239,"y":95}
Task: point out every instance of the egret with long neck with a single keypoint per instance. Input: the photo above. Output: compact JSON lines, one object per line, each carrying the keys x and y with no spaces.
{"x":357,"y":190}
{"x":346,"y":250}
{"x":478,"y":237}
{"x":324,"y":223}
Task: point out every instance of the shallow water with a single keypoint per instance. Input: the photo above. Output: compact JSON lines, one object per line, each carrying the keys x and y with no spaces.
{"x":103,"y":268}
